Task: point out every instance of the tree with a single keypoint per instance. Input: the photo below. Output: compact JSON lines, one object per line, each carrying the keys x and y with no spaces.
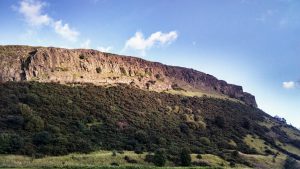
{"x":220,"y":122}
{"x":185,"y":157}
{"x":160,"y":158}
{"x":41,"y":138}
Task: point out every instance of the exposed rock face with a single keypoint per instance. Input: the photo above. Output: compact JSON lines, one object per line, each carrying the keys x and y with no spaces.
{"x":21,"y":63}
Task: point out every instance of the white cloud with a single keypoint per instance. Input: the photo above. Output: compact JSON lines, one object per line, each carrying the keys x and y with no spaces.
{"x":289,"y":85}
{"x":86,"y":44}
{"x":32,"y":10}
{"x":105,"y":49}
{"x":65,"y":31}
{"x":138,"y":42}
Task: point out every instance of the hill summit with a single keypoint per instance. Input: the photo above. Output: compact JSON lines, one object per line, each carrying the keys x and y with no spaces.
{"x":71,"y":66}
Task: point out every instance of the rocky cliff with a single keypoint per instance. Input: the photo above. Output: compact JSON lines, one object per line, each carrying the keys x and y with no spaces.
{"x":71,"y":66}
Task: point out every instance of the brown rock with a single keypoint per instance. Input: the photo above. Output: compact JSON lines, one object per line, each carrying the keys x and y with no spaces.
{"x":24,"y":63}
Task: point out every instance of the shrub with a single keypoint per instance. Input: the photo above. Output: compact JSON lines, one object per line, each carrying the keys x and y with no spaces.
{"x":160,"y":158}
{"x":220,"y":122}
{"x":129,"y":160}
{"x":141,"y":136}
{"x":114,"y":153}
{"x":41,"y":138}
{"x":235,"y":153}
{"x":81,"y":56}
{"x":114,"y":164}
{"x":290,"y":163}
{"x":98,"y":70}
{"x":185,"y":157}
{"x":199,"y":156}
{"x":232,"y":164}
{"x":205,"y":141}
{"x":138,"y":150}
{"x":149,"y":158}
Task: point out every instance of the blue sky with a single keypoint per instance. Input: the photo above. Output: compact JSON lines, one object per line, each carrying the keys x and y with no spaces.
{"x":253,"y":43}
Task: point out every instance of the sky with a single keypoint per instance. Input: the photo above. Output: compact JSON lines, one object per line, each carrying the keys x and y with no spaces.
{"x":252,"y":43}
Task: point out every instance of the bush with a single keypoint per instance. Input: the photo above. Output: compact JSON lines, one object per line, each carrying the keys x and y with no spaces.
{"x":138,"y":150}
{"x":205,"y":141}
{"x":129,"y":160}
{"x":160,"y":158}
{"x":220,"y":122}
{"x":114,"y":153}
{"x":199,"y":156}
{"x":290,"y":163}
{"x":235,"y":153}
{"x":98,"y":70}
{"x":41,"y":138}
{"x":114,"y":164}
{"x":141,"y":136}
{"x":81,"y":56}
{"x":149,"y":158}
{"x":232,"y":164}
{"x":185,"y":157}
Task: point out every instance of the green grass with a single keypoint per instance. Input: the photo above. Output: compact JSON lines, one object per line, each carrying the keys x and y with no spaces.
{"x":262,"y":161}
{"x":201,"y":94}
{"x":211,"y":159}
{"x":118,"y":167}
{"x":99,"y":159}
{"x":257,"y":143}
{"x":92,"y":159}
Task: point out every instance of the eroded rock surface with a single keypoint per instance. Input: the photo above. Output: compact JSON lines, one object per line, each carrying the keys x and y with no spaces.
{"x":23,"y":63}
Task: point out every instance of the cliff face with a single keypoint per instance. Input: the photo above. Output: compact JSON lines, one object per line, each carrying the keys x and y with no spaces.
{"x":20,"y":63}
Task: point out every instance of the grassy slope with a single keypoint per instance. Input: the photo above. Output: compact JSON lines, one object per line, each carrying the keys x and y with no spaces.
{"x":99,"y":158}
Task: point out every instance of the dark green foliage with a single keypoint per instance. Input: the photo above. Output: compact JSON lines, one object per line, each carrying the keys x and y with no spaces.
{"x":54,"y":119}
{"x":220,"y":122}
{"x":199,"y":156}
{"x":129,"y":160}
{"x":204,"y":141}
{"x":159,"y":158}
{"x":41,"y":138}
{"x":114,"y":153}
{"x":232,"y":164}
{"x":235,"y":153}
{"x":185,"y":157}
{"x":291,"y":163}
{"x":10,"y":143}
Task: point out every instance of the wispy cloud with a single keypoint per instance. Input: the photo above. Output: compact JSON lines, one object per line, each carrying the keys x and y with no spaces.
{"x":290,"y":84}
{"x":32,"y":11}
{"x":105,"y":49}
{"x":86,"y":44}
{"x":65,"y":31}
{"x":140,"y":43}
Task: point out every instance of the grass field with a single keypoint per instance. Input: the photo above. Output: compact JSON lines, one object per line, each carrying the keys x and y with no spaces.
{"x":102,"y":160}
{"x":119,"y":167}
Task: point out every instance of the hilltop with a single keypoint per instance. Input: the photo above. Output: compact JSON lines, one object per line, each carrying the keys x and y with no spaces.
{"x":56,"y":102}
{"x":23,"y":63}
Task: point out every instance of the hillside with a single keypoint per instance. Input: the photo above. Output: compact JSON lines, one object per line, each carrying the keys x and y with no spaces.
{"x":19,"y":63}
{"x":44,"y":112}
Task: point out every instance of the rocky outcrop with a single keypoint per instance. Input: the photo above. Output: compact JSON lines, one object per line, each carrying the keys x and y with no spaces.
{"x":21,"y":63}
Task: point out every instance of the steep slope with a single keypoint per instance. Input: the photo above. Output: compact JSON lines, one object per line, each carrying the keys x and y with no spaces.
{"x":53,"y":119}
{"x":57,"y":101}
{"x":19,"y":63}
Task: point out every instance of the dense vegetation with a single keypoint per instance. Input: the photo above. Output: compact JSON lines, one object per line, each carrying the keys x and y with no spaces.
{"x":39,"y":119}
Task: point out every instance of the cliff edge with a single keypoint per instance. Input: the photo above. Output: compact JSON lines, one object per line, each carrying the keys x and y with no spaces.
{"x":71,"y":66}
